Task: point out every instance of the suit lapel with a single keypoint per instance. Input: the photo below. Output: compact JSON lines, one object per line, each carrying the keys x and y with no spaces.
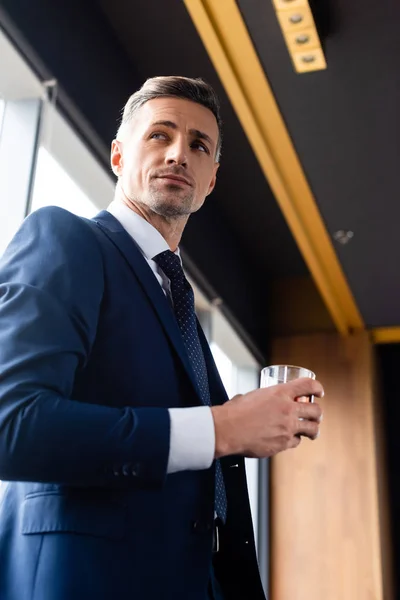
{"x":122,"y":240}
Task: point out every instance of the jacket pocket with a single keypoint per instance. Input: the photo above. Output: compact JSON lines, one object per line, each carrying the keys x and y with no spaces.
{"x":61,"y":513}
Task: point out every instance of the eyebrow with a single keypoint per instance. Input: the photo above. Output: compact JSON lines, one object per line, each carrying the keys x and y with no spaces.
{"x":194,"y":132}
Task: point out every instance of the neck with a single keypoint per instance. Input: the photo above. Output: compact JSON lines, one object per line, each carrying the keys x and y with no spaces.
{"x":171,"y":228}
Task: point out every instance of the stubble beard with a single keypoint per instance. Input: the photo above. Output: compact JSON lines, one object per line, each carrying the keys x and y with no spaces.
{"x":171,"y":203}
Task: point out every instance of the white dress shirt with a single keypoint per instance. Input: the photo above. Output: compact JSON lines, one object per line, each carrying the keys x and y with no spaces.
{"x":192,"y":440}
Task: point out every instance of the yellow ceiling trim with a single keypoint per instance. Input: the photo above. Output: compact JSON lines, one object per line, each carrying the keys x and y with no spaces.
{"x":300,"y":34}
{"x":227,"y":41}
{"x":385,"y":335}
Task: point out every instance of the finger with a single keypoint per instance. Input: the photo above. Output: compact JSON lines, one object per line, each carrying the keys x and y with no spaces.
{"x":309,"y":412}
{"x":305,"y":387}
{"x":308,"y":429}
{"x":294,"y":442}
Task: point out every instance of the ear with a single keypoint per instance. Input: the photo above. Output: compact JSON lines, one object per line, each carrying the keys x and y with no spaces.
{"x":213,"y":180}
{"x":116,"y":157}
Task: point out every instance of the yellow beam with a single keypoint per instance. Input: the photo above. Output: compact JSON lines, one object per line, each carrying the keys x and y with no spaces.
{"x":385,"y":335}
{"x":226,"y":39}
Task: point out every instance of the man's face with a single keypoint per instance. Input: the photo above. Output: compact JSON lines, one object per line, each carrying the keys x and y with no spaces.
{"x":166,"y":157}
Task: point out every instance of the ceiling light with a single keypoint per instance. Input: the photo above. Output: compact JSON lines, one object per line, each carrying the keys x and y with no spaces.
{"x":296,"y":18}
{"x":309,"y":58}
{"x":299,"y":30}
{"x":302,"y":38}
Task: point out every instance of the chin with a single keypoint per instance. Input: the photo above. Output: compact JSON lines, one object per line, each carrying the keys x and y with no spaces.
{"x":172,"y":211}
{"x":172,"y":207}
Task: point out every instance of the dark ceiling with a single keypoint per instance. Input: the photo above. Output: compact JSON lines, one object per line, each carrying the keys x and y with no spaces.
{"x":343,"y":122}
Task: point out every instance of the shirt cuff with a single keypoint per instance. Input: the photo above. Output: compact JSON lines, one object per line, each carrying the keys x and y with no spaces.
{"x":192,"y":442}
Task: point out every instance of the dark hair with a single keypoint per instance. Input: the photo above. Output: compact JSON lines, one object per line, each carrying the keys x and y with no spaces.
{"x":195,"y":90}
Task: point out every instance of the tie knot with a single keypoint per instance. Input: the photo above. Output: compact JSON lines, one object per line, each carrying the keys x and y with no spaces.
{"x":170,"y":264}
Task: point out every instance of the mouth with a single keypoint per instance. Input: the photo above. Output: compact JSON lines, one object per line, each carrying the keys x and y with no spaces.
{"x":174,"y":179}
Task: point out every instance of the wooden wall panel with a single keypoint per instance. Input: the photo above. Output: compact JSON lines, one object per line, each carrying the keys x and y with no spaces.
{"x":326,"y":532}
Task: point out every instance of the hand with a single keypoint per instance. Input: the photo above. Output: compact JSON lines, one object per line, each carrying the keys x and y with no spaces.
{"x":268,"y":420}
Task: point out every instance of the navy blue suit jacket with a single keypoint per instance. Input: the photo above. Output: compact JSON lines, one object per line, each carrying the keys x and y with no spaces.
{"x":91,"y":358}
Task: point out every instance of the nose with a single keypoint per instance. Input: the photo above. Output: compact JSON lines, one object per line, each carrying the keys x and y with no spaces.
{"x":177,"y":153}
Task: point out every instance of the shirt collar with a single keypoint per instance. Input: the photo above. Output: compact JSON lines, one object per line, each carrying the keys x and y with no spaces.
{"x":149,"y":240}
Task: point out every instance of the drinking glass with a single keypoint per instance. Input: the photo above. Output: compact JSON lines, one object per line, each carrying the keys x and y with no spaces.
{"x":275,"y":374}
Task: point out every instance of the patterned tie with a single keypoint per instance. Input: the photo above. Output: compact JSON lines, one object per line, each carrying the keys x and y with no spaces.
{"x":183,"y":300}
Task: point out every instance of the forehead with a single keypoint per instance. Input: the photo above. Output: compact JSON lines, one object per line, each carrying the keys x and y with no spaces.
{"x":184,"y":113}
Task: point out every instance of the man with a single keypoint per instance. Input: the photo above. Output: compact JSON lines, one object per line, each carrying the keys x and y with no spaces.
{"x":123,"y":457}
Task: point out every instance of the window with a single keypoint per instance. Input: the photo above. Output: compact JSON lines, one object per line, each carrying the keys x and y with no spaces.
{"x":67,"y":175}
{"x":1,"y":112}
{"x":53,"y":186}
{"x":63,"y":170}
{"x":225,"y":369}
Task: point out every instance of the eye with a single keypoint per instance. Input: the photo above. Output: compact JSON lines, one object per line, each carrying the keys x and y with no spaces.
{"x":200,"y":146}
{"x":158,"y":135}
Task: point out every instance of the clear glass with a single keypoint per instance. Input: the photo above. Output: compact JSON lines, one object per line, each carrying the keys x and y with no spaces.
{"x":275,"y":374}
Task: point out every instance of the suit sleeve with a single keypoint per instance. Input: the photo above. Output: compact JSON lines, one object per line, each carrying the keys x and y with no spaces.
{"x":51,"y":286}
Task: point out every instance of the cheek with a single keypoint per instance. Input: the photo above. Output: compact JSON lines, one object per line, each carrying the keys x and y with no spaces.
{"x":132,"y":171}
{"x":206,"y":181}
{"x":201,"y":192}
